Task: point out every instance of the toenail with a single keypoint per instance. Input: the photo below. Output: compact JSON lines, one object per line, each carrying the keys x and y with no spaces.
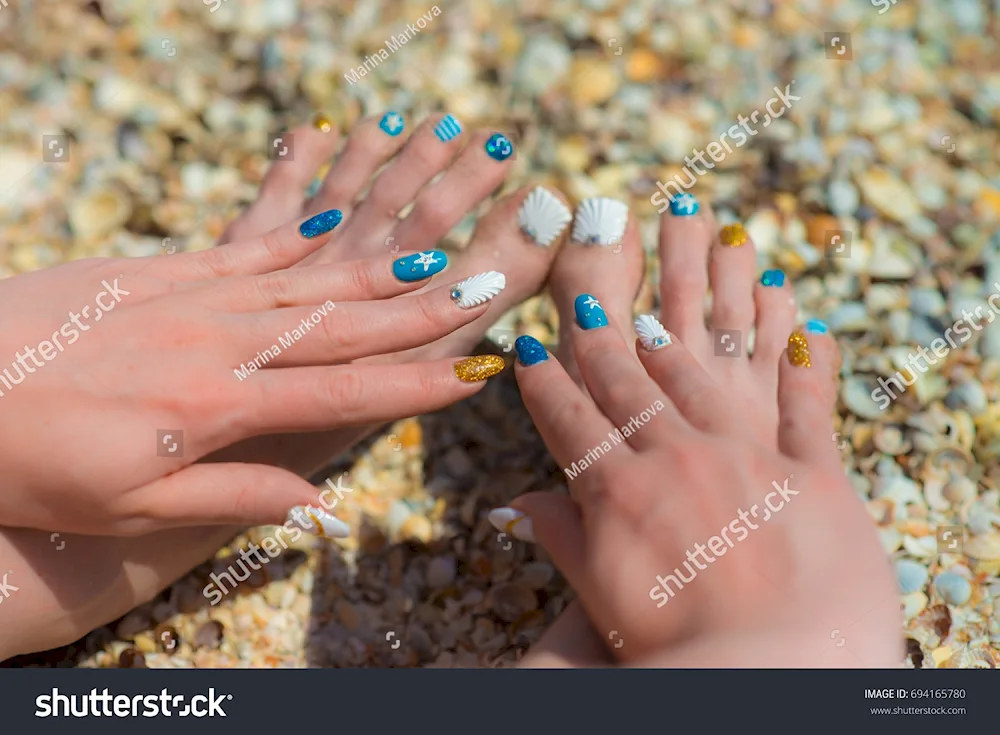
{"x":322,"y":122}
{"x":321,"y":223}
{"x":478,"y":289}
{"x":392,"y":123}
{"x":684,"y":205}
{"x":543,"y":216}
{"x":480,"y":367}
{"x":733,"y":235}
{"x":499,"y":147}
{"x":530,"y":351}
{"x":816,"y":326}
{"x":652,"y":335}
{"x":448,"y":128}
{"x":589,"y":312}
{"x":774,"y":278}
{"x":420,"y":265}
{"x":798,"y":350}
{"x":600,"y":221}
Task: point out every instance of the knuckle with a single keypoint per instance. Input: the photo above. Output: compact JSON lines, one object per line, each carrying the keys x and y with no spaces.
{"x":343,"y":334}
{"x":276,"y":289}
{"x":427,"y":155}
{"x":432,"y":210}
{"x":345,"y":392}
{"x":363,"y":278}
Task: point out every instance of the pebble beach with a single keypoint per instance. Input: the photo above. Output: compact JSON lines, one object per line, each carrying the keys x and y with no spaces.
{"x":877,"y":191}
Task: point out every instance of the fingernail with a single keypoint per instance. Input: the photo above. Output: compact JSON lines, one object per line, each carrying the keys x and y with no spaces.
{"x":816,"y":326}
{"x":321,"y":223}
{"x":530,"y":351}
{"x":773,"y":277}
{"x":733,"y":235}
{"x":313,"y":189}
{"x":479,"y":367}
{"x":420,"y":265}
{"x":318,"y":522}
{"x":514,"y":522}
{"x":589,"y":312}
{"x":323,"y":122}
{"x":600,"y":221}
{"x":798,"y":350}
{"x":392,"y":123}
{"x":499,"y":147}
{"x":684,"y":205}
{"x":478,"y":289}
{"x":652,"y":335}
{"x":543,"y":216}
{"x":448,"y":128}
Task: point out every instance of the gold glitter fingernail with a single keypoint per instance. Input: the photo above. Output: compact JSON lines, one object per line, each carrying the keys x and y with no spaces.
{"x":322,"y":122}
{"x":733,"y":235}
{"x":798,"y":350}
{"x":480,"y":367}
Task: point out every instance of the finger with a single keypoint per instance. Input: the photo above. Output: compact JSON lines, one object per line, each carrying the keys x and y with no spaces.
{"x":807,"y":394}
{"x":615,"y":380}
{"x":279,"y":248}
{"x":690,"y":389}
{"x":356,"y":280}
{"x":229,"y":494}
{"x":340,"y":333}
{"x":320,"y":398}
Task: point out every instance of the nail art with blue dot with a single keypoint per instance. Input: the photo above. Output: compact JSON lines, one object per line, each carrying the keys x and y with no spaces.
{"x":589,"y":312}
{"x":774,"y":277}
{"x":448,"y":128}
{"x":392,"y":123}
{"x":816,"y":326}
{"x":321,"y":223}
{"x":419,"y":266}
{"x":499,"y":147}
{"x":530,"y":351}
{"x":684,"y":205}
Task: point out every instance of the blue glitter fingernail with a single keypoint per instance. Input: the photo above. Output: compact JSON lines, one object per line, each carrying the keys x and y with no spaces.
{"x":499,"y":147}
{"x":589,"y":312}
{"x":816,"y":326}
{"x":773,"y":277}
{"x":530,"y":351}
{"x":392,"y":123}
{"x":321,"y":223}
{"x":684,"y":205}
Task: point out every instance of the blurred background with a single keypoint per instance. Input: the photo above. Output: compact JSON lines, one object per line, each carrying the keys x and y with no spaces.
{"x":131,"y":128}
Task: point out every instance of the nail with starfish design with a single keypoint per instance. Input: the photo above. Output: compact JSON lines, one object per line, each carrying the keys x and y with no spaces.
{"x":419,"y":266}
{"x":392,"y":123}
{"x":513,"y":522}
{"x":589,"y":312}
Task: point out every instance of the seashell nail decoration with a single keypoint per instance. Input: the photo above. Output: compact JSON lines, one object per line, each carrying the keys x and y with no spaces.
{"x":600,"y":221}
{"x":478,"y":289}
{"x":652,"y":335}
{"x":543,"y":216}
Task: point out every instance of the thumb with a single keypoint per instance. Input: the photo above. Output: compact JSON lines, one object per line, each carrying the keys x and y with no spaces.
{"x":229,"y":494}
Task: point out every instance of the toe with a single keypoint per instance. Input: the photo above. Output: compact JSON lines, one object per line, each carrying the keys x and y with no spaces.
{"x":732,"y":269}
{"x":775,"y":320}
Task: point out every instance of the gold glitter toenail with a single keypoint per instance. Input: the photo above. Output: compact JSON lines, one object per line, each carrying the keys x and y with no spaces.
{"x":798,"y":350}
{"x":480,"y":367}
{"x":322,"y":122}
{"x":733,"y":235}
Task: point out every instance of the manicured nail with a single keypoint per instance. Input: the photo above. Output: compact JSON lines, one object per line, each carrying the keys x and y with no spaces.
{"x":684,"y":205}
{"x":478,"y":289}
{"x":313,"y":189}
{"x":479,"y":367}
{"x":530,"y":351}
{"x":600,"y":221}
{"x":448,"y":128}
{"x":499,"y":147}
{"x":589,"y":312}
{"x":652,"y":335}
{"x":773,"y":277}
{"x":322,"y":122}
{"x":543,"y":216}
{"x":321,"y":223}
{"x":420,"y":265}
{"x":318,"y":522}
{"x":798,"y":350}
{"x":816,"y":326}
{"x":392,"y":123}
{"x":733,"y":235}
{"x":513,"y":522}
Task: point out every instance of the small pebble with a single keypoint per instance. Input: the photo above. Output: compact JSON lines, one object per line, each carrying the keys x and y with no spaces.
{"x":953,"y":588}
{"x":208,"y":635}
{"x":911,"y":576}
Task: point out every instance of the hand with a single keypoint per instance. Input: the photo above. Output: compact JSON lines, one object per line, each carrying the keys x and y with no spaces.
{"x":162,"y":350}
